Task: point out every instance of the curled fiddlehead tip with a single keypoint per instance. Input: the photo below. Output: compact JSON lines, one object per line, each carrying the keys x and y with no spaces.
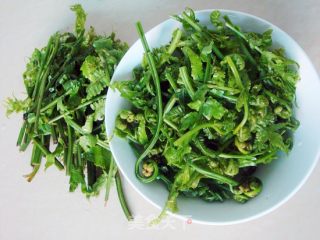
{"x":149,"y":171}
{"x":250,"y":188}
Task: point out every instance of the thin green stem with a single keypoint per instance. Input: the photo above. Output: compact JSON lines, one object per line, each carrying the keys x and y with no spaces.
{"x":171,"y":81}
{"x":237,"y":156}
{"x":245,"y":117}
{"x":22,"y":133}
{"x":121,"y":197}
{"x":43,"y":79}
{"x":166,"y":181}
{"x":247,"y":53}
{"x":204,"y":149}
{"x":187,"y":136}
{"x":207,"y":74}
{"x":271,"y":155}
{"x":40,"y":71}
{"x":35,"y":156}
{"x":174,"y":42}
{"x":31,"y":175}
{"x":236,"y":31}
{"x":110,"y":176}
{"x":172,"y":101}
{"x":156,"y":80}
{"x":171,"y":124}
{"x":229,"y":98}
{"x":193,"y":24}
{"x":75,"y":109}
{"x":223,"y":88}
{"x":54,"y":102}
{"x":240,"y":34}
{"x":46,"y":152}
{"x":240,"y":84}
{"x":186,"y":80}
{"x":213,"y":154}
{"x":61,"y":132}
{"x":234,"y":72}
{"x":53,"y":135}
{"x":213,"y":175}
{"x":26,"y":142}
{"x":70,"y":150}
{"x":76,"y":127}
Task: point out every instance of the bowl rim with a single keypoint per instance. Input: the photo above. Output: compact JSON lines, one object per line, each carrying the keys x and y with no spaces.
{"x":259,"y":214}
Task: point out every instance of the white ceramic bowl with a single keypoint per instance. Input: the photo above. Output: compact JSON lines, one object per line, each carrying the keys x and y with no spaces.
{"x":281,"y":179}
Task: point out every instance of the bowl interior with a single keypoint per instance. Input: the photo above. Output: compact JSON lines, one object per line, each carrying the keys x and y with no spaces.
{"x":281,"y":179}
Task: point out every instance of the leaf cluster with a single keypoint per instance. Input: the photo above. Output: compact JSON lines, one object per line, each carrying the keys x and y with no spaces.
{"x":227,"y":101}
{"x":63,"y":114}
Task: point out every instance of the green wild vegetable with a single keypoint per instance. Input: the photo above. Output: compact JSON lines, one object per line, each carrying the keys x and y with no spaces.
{"x":63,"y":113}
{"x":208,"y":109}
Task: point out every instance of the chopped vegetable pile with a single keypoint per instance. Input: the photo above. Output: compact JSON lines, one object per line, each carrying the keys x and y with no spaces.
{"x":66,"y":83}
{"x":208,"y":109}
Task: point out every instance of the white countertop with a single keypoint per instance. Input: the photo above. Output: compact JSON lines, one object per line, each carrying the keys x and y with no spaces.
{"x":44,"y":209}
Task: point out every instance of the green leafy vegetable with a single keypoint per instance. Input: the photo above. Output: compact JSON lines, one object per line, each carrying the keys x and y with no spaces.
{"x":66,"y":83}
{"x":228,"y":108}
